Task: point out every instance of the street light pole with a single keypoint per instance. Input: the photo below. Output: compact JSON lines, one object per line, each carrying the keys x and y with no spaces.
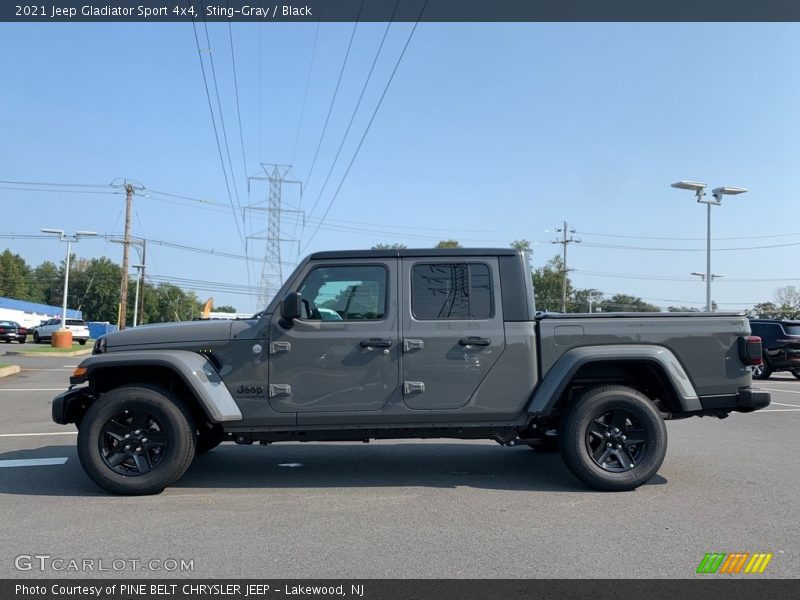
{"x":139,"y":269}
{"x":700,"y":191}
{"x":69,"y":239}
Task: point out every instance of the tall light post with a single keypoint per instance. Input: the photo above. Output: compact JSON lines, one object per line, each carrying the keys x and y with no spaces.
{"x":69,"y":239}
{"x":699,"y":190}
{"x":136,"y":296}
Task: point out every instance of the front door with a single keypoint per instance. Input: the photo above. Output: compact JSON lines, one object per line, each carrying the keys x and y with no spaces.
{"x":343,"y":353}
{"x":452,"y":329}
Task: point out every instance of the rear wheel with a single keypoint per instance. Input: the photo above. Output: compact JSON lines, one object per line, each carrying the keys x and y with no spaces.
{"x":36,"y":338}
{"x":21,"y":340}
{"x":613,"y":438}
{"x":136,"y":439}
{"x":796,"y":373}
{"x":82,"y":342}
{"x":762,"y":371}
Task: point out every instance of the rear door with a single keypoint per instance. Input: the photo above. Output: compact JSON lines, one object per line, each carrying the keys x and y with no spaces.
{"x":452,"y":329}
{"x":343,"y":354}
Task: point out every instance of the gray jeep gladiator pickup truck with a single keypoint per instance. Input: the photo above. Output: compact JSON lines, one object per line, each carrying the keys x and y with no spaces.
{"x":381,"y":344}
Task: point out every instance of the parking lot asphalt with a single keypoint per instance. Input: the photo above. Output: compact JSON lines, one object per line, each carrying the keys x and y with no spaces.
{"x":429,"y":509}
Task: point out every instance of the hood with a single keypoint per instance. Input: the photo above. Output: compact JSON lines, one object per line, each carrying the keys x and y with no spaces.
{"x":170,"y":333}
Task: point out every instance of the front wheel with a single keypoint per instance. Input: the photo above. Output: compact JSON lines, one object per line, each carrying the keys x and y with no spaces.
{"x":36,"y":338}
{"x":136,"y":439}
{"x":82,"y":342}
{"x":613,"y":438}
{"x":796,"y":373}
{"x":21,"y":340}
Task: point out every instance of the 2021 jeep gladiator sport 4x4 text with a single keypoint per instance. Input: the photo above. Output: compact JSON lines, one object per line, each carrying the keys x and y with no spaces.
{"x":361,"y":345}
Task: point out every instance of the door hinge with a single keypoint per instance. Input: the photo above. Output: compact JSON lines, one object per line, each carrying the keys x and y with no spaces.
{"x":409,"y":345}
{"x":276,"y":347}
{"x":279,"y":389}
{"x":413,"y":387}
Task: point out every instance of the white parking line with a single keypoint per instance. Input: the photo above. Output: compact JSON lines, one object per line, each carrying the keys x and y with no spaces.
{"x":781,"y":404}
{"x":764,"y":410}
{"x":33,"y":462}
{"x":35,"y":434}
{"x":781,"y":391}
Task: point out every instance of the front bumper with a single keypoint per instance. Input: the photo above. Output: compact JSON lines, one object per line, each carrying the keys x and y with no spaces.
{"x":746,"y":400}
{"x":70,"y":403}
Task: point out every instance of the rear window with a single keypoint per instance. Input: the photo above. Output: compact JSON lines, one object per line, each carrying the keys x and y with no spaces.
{"x":792,"y":329}
{"x":76,"y":322}
{"x":451,"y":291}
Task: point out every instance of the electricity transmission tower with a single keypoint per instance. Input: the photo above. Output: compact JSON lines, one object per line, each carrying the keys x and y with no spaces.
{"x":564,"y":241}
{"x":272,"y":272}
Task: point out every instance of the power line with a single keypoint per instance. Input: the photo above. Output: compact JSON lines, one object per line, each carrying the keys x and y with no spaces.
{"x":222,"y":122}
{"x":335,"y":93}
{"x":305,"y":93}
{"x":687,"y":239}
{"x":355,"y":110}
{"x":369,"y":124}
{"x":214,"y":124}
{"x":236,"y":89}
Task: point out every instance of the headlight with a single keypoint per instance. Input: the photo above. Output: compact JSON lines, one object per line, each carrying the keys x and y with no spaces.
{"x":99,"y":346}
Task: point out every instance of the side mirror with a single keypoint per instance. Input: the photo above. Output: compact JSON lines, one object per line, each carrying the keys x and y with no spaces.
{"x":292,"y":306}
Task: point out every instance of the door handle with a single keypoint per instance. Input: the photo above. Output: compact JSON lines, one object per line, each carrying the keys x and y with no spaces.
{"x":375,"y":343}
{"x":475,"y":341}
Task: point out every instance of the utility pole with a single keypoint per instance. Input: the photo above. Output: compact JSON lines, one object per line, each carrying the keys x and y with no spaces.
{"x":272,"y":271}
{"x":126,"y":245}
{"x":564,"y":241}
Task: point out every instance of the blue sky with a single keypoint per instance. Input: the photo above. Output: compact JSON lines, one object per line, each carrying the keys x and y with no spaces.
{"x":488,"y":133}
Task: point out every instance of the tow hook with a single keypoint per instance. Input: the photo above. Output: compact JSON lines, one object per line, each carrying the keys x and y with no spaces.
{"x":240,"y":439}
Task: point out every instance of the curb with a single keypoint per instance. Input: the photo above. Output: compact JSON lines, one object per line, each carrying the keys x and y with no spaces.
{"x":9,"y":370}
{"x":48,"y":354}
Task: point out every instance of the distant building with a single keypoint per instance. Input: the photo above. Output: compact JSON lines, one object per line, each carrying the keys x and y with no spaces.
{"x":31,"y":314}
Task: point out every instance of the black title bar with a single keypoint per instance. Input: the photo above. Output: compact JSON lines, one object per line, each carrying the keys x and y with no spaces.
{"x":259,"y":11}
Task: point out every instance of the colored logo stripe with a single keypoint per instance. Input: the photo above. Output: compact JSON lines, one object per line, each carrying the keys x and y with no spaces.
{"x":733,"y":563}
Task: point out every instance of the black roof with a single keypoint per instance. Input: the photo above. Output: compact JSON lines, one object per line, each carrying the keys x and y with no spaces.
{"x":415,"y":252}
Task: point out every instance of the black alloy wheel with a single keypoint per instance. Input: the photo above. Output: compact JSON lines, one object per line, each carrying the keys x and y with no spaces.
{"x":616,"y":441}
{"x":133,"y":443}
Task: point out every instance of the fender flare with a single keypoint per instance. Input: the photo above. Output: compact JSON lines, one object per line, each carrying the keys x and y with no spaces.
{"x":560,"y":374}
{"x":194,"y":369}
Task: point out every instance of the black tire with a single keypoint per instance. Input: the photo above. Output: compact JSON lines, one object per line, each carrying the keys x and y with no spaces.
{"x":208,"y":438}
{"x":8,"y":341}
{"x":36,"y":338}
{"x":762,"y":371}
{"x":21,"y":340}
{"x":82,"y":342}
{"x":627,"y":416}
{"x":796,"y":373}
{"x":148,"y":411}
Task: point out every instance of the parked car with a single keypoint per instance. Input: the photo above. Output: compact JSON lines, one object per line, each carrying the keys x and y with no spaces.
{"x":44,"y":332}
{"x":780,"y":342}
{"x":11,"y":331}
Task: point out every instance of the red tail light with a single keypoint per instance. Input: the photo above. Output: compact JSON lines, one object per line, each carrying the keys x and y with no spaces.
{"x":750,"y":350}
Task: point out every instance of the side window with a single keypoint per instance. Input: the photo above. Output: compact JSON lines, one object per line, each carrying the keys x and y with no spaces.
{"x":345,"y":293}
{"x":451,"y":291}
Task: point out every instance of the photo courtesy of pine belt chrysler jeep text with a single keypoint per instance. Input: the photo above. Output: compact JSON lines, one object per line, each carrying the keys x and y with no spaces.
{"x":388,"y":344}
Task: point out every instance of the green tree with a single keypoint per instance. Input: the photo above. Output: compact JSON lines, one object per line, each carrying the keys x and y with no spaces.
{"x":448,"y":244}
{"x":395,"y":246}
{"x":584,"y":300}
{"x":226,"y":309}
{"x":523,"y":245}
{"x":547,"y":285}
{"x":682,"y":309}
{"x":47,"y":284}
{"x":94,"y":289}
{"x":14,"y":276}
{"x":626,"y":303}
